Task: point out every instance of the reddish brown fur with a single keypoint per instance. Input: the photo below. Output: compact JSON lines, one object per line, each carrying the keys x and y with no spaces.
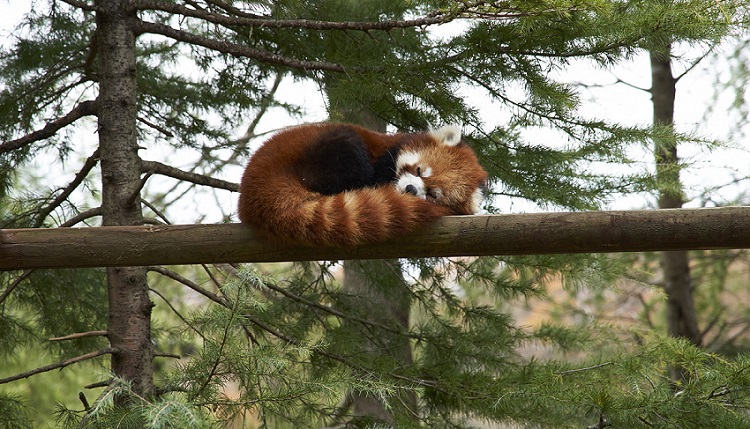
{"x":273,"y":198}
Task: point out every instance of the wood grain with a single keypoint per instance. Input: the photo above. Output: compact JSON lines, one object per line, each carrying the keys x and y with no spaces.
{"x":512,"y":234}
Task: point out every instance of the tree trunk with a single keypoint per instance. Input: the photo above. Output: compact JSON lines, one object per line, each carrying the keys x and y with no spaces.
{"x":384,"y":296}
{"x":129,"y":328}
{"x":680,"y":312}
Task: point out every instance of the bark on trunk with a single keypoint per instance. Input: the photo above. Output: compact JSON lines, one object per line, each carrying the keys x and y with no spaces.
{"x":387,"y":304}
{"x":681,"y":317}
{"x":129,"y":328}
{"x":360,"y":280}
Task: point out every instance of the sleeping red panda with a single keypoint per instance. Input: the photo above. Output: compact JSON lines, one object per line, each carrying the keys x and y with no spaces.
{"x":344,"y":185}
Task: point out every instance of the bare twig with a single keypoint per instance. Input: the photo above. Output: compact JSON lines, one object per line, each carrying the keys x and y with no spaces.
{"x":184,"y":320}
{"x":176,"y":173}
{"x":86,"y":108}
{"x":84,"y":401}
{"x":589,"y":368}
{"x":63,"y":364}
{"x":96,"y":211}
{"x":169,"y":355}
{"x":79,"y":178}
{"x":158,"y":128}
{"x":192,"y":285}
{"x":247,"y":21}
{"x":80,"y":335}
{"x":14,"y":285}
{"x":103,"y":383}
{"x":156,"y":211}
{"x":234,"y":48}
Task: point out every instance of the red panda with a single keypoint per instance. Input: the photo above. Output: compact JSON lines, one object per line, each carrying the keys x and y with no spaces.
{"x":338,"y":184}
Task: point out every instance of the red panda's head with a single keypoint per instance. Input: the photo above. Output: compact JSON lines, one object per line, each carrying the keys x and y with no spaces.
{"x":439,"y":167}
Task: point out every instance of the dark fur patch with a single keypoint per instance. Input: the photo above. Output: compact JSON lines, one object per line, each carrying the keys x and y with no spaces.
{"x":385,"y":166}
{"x":337,"y":162}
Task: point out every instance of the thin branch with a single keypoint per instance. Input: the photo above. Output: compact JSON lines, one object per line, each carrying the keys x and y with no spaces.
{"x":14,"y":285}
{"x":246,"y":21}
{"x":169,"y":355}
{"x":224,"y":6}
{"x":79,"y":178}
{"x":234,"y":48}
{"x":158,"y":128}
{"x":63,"y":364}
{"x":265,"y":103}
{"x":156,"y":211}
{"x":337,"y":313}
{"x":589,"y":368}
{"x":80,"y":217}
{"x":136,"y":195}
{"x":81,"y":5}
{"x":184,"y":320}
{"x":80,"y":335}
{"x":103,"y":383}
{"x":198,"y":179}
{"x":695,"y":63}
{"x":86,"y":108}
{"x":192,"y":285}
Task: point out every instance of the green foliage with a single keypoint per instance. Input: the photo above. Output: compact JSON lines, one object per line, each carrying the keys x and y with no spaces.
{"x":292,"y":347}
{"x":14,"y":413}
{"x":285,"y":357}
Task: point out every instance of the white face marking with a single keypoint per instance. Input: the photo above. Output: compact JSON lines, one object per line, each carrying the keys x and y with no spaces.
{"x":426,"y":172}
{"x":407,"y":158}
{"x":406,"y":180}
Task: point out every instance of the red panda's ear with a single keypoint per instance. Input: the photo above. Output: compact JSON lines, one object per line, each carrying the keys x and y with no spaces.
{"x":449,"y":135}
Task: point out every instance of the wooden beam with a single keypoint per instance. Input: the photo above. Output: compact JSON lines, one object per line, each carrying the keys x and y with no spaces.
{"x":512,"y":234}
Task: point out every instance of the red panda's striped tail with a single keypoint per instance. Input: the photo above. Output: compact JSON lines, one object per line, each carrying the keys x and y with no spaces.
{"x":346,"y":219}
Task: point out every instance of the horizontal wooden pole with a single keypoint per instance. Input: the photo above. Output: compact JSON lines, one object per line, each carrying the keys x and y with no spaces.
{"x":511,"y":234}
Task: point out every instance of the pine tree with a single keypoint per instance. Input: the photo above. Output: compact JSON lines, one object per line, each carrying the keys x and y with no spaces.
{"x":290,"y":340}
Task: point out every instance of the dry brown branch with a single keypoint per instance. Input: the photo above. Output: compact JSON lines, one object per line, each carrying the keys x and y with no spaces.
{"x":91,"y":161}
{"x":80,"y":335}
{"x":189,"y":283}
{"x":199,"y":179}
{"x":86,"y":108}
{"x":234,"y":49}
{"x":245,"y":21}
{"x":57,"y":365}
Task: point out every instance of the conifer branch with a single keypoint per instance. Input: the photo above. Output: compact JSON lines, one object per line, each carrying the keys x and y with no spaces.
{"x":234,"y":48}
{"x":86,"y":108}
{"x":187,"y":282}
{"x":155,"y":167}
{"x":80,"y":335}
{"x":178,"y":314}
{"x":334,"y":312}
{"x":269,"y":22}
{"x":156,"y":211}
{"x":79,"y":178}
{"x":63,"y":364}
{"x":225,"y":6}
{"x":156,"y":127}
{"x":17,"y":281}
{"x":589,"y":368}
